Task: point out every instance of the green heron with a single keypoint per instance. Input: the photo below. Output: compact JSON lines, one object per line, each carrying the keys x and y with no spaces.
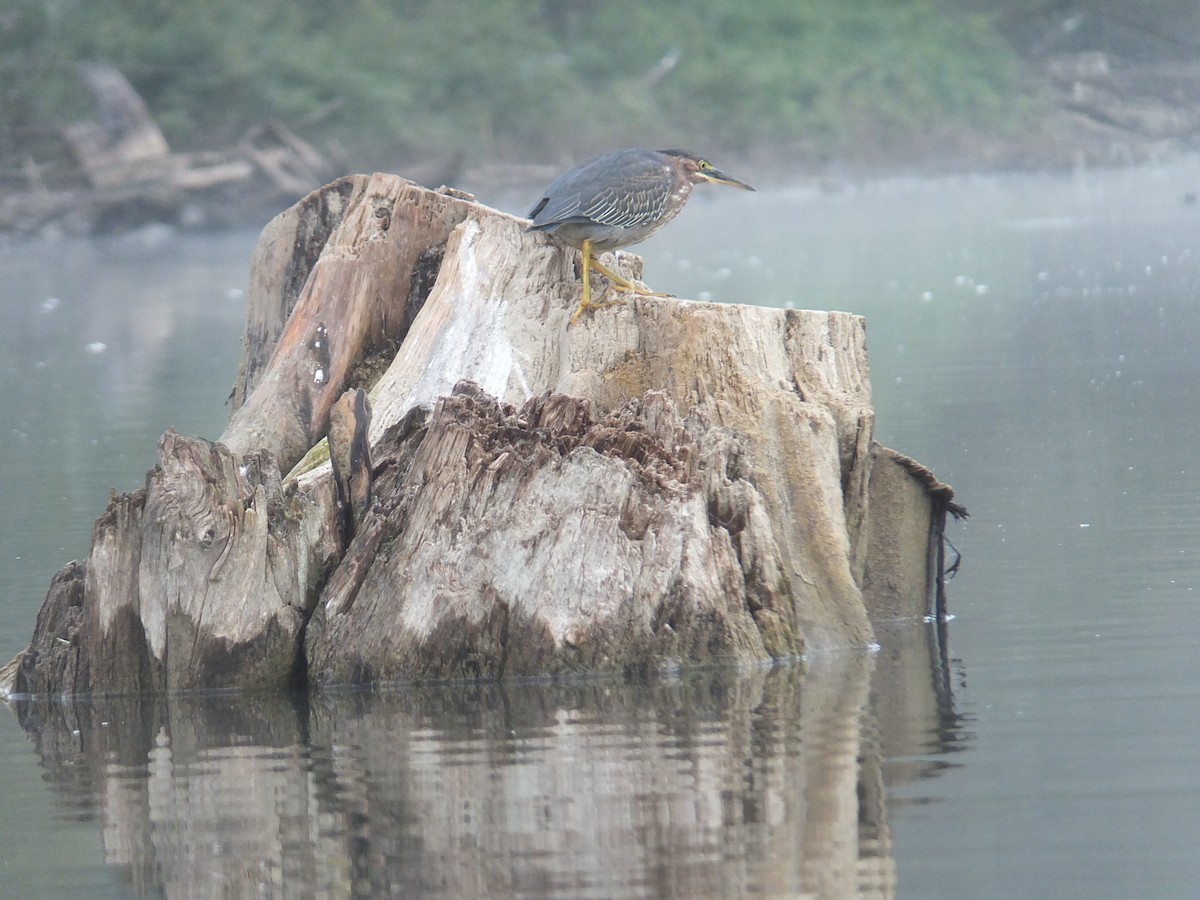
{"x":618,"y":199}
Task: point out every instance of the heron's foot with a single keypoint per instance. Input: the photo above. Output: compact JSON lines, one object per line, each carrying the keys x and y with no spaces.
{"x":584,"y":303}
{"x":640,"y":291}
{"x":621,"y":283}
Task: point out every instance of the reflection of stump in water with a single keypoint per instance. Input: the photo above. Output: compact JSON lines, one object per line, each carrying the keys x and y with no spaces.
{"x":767,"y":783}
{"x":665,"y":483}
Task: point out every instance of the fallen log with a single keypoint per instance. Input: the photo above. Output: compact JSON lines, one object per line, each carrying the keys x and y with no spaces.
{"x":118,"y":147}
{"x":122,"y":174}
{"x":667,"y":483}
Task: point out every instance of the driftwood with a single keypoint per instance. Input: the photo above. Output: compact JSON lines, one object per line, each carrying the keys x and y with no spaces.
{"x":115,"y":149}
{"x":128,"y":176}
{"x":666,"y":483}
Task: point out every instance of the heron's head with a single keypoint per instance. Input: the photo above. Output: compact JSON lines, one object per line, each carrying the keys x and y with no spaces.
{"x":697,"y":170}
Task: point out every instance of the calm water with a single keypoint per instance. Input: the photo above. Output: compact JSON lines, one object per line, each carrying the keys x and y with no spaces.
{"x":1033,"y":339}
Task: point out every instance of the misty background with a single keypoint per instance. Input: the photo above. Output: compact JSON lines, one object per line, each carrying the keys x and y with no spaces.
{"x":1016,"y":83}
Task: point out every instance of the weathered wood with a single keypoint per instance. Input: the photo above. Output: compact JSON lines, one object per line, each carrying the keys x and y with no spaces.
{"x":205,"y":578}
{"x":898,"y":575}
{"x":51,"y":664}
{"x":124,"y":175}
{"x":291,"y":164}
{"x":496,"y":576}
{"x":790,"y":389}
{"x":665,"y":483}
{"x":355,"y":304}
{"x":904,"y":571}
{"x":118,"y":147}
{"x":288,"y":248}
{"x":350,"y":457}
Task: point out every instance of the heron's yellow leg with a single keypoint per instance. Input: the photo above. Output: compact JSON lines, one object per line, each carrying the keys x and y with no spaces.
{"x":586,"y":299}
{"x":618,"y":281}
{"x":623,"y":283}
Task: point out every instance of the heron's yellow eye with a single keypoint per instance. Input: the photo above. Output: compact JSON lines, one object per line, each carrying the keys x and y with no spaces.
{"x":705,"y":165}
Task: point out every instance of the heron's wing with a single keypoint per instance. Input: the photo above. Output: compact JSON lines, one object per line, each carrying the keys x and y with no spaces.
{"x":619,"y":189}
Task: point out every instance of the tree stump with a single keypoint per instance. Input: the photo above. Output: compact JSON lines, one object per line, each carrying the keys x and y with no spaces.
{"x":666,"y":483}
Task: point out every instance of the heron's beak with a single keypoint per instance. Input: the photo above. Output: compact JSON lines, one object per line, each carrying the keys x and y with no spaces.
{"x":716,"y":176}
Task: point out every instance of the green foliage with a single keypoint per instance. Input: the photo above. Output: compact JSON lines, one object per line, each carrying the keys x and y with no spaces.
{"x":515,"y":77}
